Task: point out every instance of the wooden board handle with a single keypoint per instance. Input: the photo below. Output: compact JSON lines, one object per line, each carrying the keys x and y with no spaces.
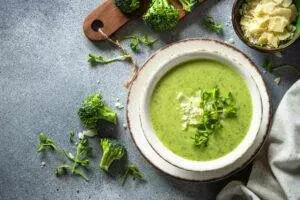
{"x":106,"y":16}
{"x":110,"y":18}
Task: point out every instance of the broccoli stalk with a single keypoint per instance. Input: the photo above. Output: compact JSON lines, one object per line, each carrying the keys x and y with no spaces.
{"x":188,"y":5}
{"x":161,"y":16}
{"x":112,"y":150}
{"x":128,"y":6}
{"x":93,"y":110}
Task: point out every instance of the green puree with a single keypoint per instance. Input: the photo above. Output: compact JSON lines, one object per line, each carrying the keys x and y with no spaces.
{"x":188,"y":78}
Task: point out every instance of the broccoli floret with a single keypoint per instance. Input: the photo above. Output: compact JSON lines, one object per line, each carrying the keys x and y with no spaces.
{"x":188,"y":5}
{"x":161,"y":16}
{"x":112,"y":150}
{"x":128,"y":6}
{"x":93,"y":110}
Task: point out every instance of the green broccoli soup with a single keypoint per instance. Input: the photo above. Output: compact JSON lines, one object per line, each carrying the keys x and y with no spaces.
{"x":201,"y":109}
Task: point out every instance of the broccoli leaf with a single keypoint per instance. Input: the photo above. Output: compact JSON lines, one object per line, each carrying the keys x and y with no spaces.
{"x":112,"y":150}
{"x":64,"y":169}
{"x":83,"y":152}
{"x":46,"y":143}
{"x":93,"y":110}
{"x":81,"y":158}
{"x":210,"y":24}
{"x":95,"y":59}
{"x":133,"y":171}
{"x":136,"y":40}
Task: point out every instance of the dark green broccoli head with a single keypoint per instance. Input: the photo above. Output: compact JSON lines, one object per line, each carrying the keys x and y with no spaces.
{"x":93,"y":110}
{"x":112,"y":150}
{"x":161,"y":16}
{"x":188,"y":5}
{"x":128,"y":6}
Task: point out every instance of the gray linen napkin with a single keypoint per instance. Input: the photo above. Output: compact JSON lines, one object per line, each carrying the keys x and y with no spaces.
{"x":276,"y":170}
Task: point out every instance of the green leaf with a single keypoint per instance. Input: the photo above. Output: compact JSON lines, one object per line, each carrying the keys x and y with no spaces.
{"x":65,"y":169}
{"x":133,"y":171}
{"x":83,"y":152}
{"x":47,"y":143}
{"x":136,"y":40}
{"x":213,"y":109}
{"x":98,"y":59}
{"x":210,"y":24}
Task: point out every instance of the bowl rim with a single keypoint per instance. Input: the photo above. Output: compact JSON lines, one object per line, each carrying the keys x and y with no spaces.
{"x":236,"y":27}
{"x":136,"y":133}
{"x":179,"y":161}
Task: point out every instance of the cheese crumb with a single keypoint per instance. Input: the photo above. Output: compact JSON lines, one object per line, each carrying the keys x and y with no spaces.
{"x":43,"y":164}
{"x":190,"y":108}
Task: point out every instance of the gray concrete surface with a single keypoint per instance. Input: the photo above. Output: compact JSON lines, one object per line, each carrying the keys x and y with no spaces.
{"x":44,"y":76}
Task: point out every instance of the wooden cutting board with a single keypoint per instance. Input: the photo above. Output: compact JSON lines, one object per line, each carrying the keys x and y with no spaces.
{"x":109,"y":18}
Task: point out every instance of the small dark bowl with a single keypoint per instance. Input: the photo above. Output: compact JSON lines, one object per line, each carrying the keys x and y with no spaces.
{"x":236,"y":18}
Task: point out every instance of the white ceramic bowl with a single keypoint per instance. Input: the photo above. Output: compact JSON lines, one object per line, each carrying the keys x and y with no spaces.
{"x":156,"y":67}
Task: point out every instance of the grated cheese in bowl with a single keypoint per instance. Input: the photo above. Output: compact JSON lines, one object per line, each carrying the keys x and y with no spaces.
{"x":268,"y":23}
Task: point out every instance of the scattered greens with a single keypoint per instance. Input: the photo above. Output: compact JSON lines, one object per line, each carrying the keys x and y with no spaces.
{"x":94,"y":59}
{"x":130,"y":59}
{"x":188,"y":5}
{"x":128,"y":6}
{"x":210,"y":24}
{"x":112,"y":150}
{"x":161,"y":16}
{"x":133,"y":171}
{"x":83,"y":151}
{"x":93,"y":111}
{"x":136,"y":40}
{"x":46,"y":143}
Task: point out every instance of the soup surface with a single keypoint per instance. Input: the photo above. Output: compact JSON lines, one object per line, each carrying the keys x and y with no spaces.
{"x":187,"y":78}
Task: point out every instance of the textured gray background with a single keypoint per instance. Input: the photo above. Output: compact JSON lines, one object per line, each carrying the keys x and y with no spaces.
{"x":44,"y":76}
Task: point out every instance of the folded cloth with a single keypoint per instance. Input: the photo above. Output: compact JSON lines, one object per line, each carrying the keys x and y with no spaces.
{"x":276,"y":170}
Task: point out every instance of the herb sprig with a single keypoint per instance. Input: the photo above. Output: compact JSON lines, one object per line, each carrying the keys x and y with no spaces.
{"x":205,"y":111}
{"x":64,"y":169}
{"x":81,"y":158}
{"x":124,"y":52}
{"x":46,"y":143}
{"x":215,"y":108}
{"x":133,"y":171}
{"x":210,"y":24}
{"x":137,"y":40}
{"x":95,"y":59}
